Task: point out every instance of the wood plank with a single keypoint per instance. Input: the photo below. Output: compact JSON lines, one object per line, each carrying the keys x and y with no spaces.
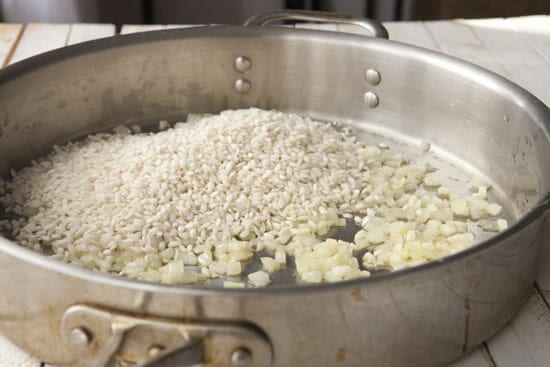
{"x":477,"y":358}
{"x":414,"y":33}
{"x":527,"y":24}
{"x":457,"y":39}
{"x":521,"y":63}
{"x":40,"y":37}
{"x":525,"y":340}
{"x":135,"y":28}
{"x":82,"y":32}
{"x":522,"y":46}
{"x":11,"y":356}
{"x":9,"y":35}
{"x":535,"y":29}
{"x":532,"y":23}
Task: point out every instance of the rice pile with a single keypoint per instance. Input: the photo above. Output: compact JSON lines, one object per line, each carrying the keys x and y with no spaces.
{"x":199,"y":200}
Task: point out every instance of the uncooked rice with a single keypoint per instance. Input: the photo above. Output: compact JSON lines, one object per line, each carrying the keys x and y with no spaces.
{"x":199,"y":200}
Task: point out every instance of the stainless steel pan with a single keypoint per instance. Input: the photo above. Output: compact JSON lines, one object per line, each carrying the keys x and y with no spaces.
{"x":426,"y":315}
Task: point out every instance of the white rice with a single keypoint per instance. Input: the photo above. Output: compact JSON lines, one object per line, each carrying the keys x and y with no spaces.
{"x":210,"y":192}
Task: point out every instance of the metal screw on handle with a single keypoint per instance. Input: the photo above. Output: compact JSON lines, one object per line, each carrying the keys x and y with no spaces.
{"x":241,"y":357}
{"x":376,"y":29}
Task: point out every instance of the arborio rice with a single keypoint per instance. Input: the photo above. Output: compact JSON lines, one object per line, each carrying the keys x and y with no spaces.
{"x":199,"y":200}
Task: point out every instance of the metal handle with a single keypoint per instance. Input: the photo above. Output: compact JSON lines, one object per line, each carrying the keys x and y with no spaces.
{"x":103,"y":338}
{"x":375,"y":28}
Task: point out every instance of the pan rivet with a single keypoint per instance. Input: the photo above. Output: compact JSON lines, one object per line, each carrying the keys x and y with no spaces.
{"x":242,"y":85}
{"x":81,"y":336}
{"x":154,"y":350}
{"x":241,"y":357}
{"x":242,"y":64}
{"x":371,"y":99}
{"x":372,"y":76}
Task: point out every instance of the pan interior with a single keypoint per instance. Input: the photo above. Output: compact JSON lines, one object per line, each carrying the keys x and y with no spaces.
{"x":451,"y":171}
{"x":478,"y":125}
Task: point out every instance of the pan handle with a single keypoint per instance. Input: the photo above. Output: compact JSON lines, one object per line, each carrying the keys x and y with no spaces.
{"x":107,"y":338}
{"x":375,"y":28}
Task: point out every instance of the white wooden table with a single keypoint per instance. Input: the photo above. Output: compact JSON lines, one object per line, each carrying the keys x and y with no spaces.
{"x":517,"y":48}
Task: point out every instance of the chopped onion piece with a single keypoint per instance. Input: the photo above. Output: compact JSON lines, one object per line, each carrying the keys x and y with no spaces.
{"x":494,"y":209}
{"x":259,"y":279}
{"x":164,"y":125}
{"x":121,"y":130}
{"x":460,"y":207}
{"x":233,"y":268}
{"x":430,"y":181}
{"x":280,"y":256}
{"x":312,"y":277}
{"x":502,"y":224}
{"x":270,"y":265}
{"x":230,"y":284}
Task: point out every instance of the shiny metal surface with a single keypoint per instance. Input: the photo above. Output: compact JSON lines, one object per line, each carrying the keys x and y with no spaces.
{"x":243,"y":64}
{"x":375,"y":28}
{"x":371,"y":99}
{"x":241,"y":357}
{"x":425,"y":315}
{"x":113,"y":339}
{"x":81,"y":337}
{"x":373,"y":77}
{"x":242,"y":85}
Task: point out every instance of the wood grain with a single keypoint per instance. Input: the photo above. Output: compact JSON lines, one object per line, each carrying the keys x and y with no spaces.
{"x":413,"y":33}
{"x":478,"y":358}
{"x":457,"y":39}
{"x":525,"y":341}
{"x":11,"y":356}
{"x":82,"y":32}
{"x":535,"y":30}
{"x":135,"y":28}
{"x":40,"y":37}
{"x":520,"y":62}
{"x":9,"y":35}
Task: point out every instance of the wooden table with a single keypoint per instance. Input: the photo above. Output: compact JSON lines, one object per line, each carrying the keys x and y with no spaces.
{"x":517,"y":48}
